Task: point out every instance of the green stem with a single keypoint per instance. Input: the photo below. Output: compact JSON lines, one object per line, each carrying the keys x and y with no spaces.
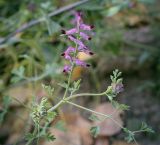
{"x":56,"y":106}
{"x":73,"y":97}
{"x":70,"y":75}
{"x":69,"y":81}
{"x":98,"y":113}
{"x":85,"y":94}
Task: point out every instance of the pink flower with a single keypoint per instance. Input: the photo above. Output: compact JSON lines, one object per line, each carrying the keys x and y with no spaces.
{"x":79,"y":42}
{"x":81,"y":63}
{"x":77,"y":35}
{"x":86,"y":27}
{"x":67,"y":53}
{"x":70,"y":49}
{"x":78,"y":18}
{"x":70,"y":32}
{"x":85,"y":36}
{"x":67,"y":68}
{"x":87,"y":51}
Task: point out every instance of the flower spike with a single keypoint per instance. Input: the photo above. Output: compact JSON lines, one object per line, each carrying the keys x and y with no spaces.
{"x":77,"y":35}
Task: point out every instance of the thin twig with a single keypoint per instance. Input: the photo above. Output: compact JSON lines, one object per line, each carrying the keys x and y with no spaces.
{"x":35,"y":22}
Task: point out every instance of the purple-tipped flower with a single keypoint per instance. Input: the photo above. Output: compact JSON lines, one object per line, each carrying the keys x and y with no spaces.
{"x":79,"y":42}
{"x":86,"y":51}
{"x":67,"y":68}
{"x":70,"y":50}
{"x":67,"y":53}
{"x":85,"y":36}
{"x":81,"y":63}
{"x":86,"y":27}
{"x":77,"y":35}
{"x":70,"y":32}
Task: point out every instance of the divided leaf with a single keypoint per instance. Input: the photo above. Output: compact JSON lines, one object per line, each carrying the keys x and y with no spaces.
{"x":48,"y":89}
{"x":120,"y":106}
{"x":146,"y":128}
{"x":95,"y":130}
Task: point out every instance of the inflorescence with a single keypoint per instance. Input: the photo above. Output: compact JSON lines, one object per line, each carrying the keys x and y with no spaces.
{"x":78,"y":35}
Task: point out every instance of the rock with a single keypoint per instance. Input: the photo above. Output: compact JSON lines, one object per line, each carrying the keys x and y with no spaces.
{"x":108,"y":127}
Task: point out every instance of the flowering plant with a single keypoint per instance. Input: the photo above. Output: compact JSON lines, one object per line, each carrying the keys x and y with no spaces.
{"x":43,"y":113}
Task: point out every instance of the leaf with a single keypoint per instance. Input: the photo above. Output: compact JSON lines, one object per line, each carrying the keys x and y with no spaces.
{"x":120,"y":106}
{"x":49,"y":90}
{"x":51,"y":116}
{"x":77,"y":84}
{"x":129,"y":138}
{"x":19,"y":71}
{"x":95,"y":130}
{"x":18,"y":74}
{"x":63,"y":85}
{"x":94,"y":118}
{"x":145,"y":127}
{"x":112,"y":11}
{"x":6,"y":103}
{"x":29,"y":136}
{"x":52,"y":26}
{"x":130,"y":135}
{"x":50,"y":137}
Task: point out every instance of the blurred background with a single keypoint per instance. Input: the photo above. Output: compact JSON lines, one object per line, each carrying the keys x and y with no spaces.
{"x":126,"y":37}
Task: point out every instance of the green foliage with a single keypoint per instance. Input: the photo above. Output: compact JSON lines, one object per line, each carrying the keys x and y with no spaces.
{"x":76,"y":86}
{"x":120,"y":106}
{"x":18,"y":74}
{"x":95,"y":131}
{"x":50,"y":137}
{"x":53,"y":27}
{"x":116,"y":86}
{"x":40,"y":111}
{"x":51,"y":116}
{"x":63,"y":85}
{"x":48,"y":89}
{"x":94,"y":118}
{"x":146,"y":128}
{"x":6,"y":102}
{"x":130,"y":135}
{"x":114,"y":77}
{"x":112,"y":11}
{"x":29,"y":136}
